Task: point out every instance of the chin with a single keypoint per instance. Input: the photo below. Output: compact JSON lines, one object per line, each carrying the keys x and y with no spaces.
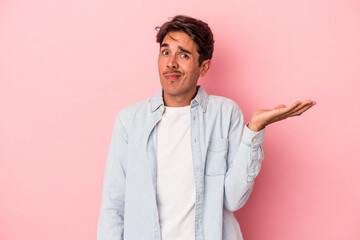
{"x":172,"y":92}
{"x":170,"y":88}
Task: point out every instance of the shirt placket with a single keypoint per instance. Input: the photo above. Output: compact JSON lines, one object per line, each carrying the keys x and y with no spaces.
{"x":199,"y":183}
{"x":157,"y":114}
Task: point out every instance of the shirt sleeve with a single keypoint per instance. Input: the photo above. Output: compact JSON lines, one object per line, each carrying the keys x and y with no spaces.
{"x":245,"y":156}
{"x":111,"y":218}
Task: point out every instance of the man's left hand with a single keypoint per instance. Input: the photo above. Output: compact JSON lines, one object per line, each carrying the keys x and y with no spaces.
{"x":262,"y":118}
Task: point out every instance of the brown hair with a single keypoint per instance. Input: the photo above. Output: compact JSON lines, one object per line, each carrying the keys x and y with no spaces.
{"x":197,"y":30}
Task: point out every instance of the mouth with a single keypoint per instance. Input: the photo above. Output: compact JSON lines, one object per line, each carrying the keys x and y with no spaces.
{"x":172,"y":75}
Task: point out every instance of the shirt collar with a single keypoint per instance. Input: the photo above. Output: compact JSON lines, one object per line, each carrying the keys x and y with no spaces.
{"x":201,"y":98}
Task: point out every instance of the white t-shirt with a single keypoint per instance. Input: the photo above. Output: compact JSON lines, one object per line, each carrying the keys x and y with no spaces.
{"x":175,"y":175}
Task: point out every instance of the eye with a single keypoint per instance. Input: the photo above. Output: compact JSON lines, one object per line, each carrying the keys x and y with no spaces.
{"x":184,"y":55}
{"x":165,"y":52}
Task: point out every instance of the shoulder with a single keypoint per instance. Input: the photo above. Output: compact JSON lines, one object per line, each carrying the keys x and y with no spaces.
{"x":224,"y":105}
{"x":136,"y":107}
{"x":133,"y":111}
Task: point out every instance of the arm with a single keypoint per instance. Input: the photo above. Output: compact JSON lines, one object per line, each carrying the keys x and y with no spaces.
{"x":111,"y":219}
{"x":245,"y":156}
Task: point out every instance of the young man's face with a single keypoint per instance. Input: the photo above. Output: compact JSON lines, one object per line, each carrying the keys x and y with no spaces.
{"x":179,"y":68}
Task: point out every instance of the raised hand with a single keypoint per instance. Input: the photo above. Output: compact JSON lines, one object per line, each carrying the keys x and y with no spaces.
{"x":262,"y":118}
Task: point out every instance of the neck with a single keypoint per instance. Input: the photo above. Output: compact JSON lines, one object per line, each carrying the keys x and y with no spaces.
{"x":178,"y":101}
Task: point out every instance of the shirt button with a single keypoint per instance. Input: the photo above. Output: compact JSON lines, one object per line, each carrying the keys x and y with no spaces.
{"x":194,"y":118}
{"x":195,"y":140}
{"x":247,"y":136}
{"x":156,"y":229}
{"x":152,"y":120}
{"x":252,"y":161}
{"x":254,"y":140}
{"x":152,"y":109}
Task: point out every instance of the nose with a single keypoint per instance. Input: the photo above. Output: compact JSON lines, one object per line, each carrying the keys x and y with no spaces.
{"x":172,"y":63}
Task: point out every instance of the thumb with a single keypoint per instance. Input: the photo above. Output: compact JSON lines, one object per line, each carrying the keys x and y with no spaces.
{"x":280,"y":106}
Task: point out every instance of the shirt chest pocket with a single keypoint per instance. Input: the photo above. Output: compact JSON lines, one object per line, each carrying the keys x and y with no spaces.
{"x":216,"y":157}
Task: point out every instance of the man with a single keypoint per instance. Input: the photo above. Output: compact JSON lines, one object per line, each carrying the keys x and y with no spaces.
{"x":181,"y":162}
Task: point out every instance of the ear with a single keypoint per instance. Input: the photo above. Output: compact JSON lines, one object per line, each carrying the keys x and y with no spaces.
{"x":204,"y":67}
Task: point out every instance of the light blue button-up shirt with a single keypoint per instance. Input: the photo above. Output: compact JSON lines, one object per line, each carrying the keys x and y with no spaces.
{"x":226,"y":157}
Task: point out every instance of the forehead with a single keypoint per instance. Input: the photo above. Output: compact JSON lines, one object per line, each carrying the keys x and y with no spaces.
{"x":179,"y":39}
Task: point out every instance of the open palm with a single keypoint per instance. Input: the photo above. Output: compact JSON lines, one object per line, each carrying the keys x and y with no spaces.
{"x":262,"y":118}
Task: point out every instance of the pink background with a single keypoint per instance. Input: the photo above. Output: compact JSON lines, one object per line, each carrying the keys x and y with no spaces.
{"x":67,"y":68}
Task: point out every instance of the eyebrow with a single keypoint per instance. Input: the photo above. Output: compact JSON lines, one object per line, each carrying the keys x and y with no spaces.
{"x":179,"y":47}
{"x":184,"y":50}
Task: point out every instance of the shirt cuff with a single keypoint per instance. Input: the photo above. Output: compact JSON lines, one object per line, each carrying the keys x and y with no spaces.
{"x":252,"y":138}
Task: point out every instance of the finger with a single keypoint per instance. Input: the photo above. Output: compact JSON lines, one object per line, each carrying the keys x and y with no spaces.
{"x":295,"y":109}
{"x":282,"y":109}
{"x":280,"y":106}
{"x":302,"y":110}
{"x":304,"y":104}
